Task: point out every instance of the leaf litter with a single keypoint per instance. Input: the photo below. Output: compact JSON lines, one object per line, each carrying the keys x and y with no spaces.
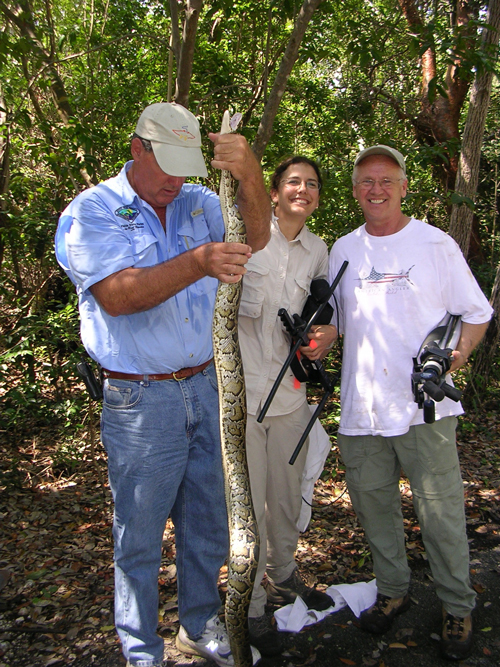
{"x":56,"y":556}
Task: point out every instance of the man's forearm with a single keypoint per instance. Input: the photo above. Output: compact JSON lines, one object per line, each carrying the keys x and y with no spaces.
{"x":135,"y":290}
{"x":255,"y":208}
{"x":470,"y":337}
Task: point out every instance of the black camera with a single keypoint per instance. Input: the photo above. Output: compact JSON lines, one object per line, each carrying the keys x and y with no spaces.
{"x":433,"y":361}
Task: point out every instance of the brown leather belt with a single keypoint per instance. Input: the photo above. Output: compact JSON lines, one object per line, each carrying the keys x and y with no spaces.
{"x":178,"y":375}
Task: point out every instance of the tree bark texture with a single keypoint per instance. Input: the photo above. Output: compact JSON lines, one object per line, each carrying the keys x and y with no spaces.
{"x":174,"y":28}
{"x":472,"y":140}
{"x":488,"y":350}
{"x":437,"y":122}
{"x":264,"y":131}
{"x":185,"y":62}
{"x":4,"y":171}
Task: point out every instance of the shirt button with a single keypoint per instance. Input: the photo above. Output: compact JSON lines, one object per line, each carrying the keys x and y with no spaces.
{"x":186,"y":319}
{"x":190,"y":355}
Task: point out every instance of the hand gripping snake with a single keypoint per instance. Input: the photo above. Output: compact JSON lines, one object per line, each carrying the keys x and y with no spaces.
{"x":243,"y":533}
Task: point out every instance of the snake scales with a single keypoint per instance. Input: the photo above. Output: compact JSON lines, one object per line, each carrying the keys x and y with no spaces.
{"x":243,"y":533}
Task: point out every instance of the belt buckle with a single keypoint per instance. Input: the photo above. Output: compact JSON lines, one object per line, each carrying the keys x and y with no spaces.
{"x":176,"y":378}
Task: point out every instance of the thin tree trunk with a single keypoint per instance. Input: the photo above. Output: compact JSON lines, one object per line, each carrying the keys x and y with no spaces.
{"x":438,"y":119}
{"x":175,"y":32}
{"x":488,"y":350}
{"x":20,"y":16}
{"x":4,"y":171}
{"x":472,"y":140}
{"x":264,"y":132}
{"x":185,"y":62}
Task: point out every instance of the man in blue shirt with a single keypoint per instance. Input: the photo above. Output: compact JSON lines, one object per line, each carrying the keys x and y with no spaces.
{"x":146,"y":252}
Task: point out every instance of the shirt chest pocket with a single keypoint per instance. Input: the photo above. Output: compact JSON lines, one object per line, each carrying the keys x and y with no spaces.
{"x":194,"y":234}
{"x":144,"y":250}
{"x":253,"y":293}
{"x":300,"y":291}
{"x":191,"y":236}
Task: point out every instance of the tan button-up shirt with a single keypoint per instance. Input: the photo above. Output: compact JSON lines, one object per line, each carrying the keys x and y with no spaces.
{"x":277,"y":277}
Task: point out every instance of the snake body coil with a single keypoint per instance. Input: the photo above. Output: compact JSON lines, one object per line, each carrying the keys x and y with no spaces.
{"x":243,"y":533}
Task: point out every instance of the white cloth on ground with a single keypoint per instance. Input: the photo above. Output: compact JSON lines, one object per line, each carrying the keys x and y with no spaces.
{"x":358,"y":596}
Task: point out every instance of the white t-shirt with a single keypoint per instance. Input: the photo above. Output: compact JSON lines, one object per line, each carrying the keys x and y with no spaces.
{"x":396,"y":289}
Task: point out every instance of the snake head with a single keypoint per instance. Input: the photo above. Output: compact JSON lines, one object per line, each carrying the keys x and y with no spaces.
{"x":230,"y":125}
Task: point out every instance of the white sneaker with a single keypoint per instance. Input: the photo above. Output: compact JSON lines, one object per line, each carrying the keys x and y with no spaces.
{"x":213,"y":644}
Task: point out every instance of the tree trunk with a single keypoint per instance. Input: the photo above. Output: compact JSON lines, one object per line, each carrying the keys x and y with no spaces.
{"x":488,"y":350}
{"x":468,"y":169}
{"x":185,"y":62}
{"x":437,"y":122}
{"x":264,"y":132}
{"x":4,"y":172}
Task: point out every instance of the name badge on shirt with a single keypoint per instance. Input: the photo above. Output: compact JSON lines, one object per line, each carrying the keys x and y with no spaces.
{"x":198,"y":211}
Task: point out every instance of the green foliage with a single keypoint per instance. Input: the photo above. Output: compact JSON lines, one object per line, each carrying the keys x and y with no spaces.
{"x":356,"y":83}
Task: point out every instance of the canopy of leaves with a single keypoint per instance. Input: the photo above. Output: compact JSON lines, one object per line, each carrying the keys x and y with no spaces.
{"x":76,"y":75}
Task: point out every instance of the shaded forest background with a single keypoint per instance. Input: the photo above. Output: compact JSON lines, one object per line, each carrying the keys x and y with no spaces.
{"x":321,"y":78}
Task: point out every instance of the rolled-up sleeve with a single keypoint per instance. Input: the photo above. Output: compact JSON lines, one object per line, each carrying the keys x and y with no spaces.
{"x":96,"y":245}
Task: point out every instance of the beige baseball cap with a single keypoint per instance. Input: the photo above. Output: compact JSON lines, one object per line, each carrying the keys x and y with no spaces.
{"x":382,"y":150}
{"x":175,"y":136}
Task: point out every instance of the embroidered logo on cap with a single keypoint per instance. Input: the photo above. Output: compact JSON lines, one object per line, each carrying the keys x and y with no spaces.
{"x":127,"y":213}
{"x":184,"y":133}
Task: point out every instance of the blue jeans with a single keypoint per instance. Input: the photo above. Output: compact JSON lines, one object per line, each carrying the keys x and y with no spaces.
{"x":163,"y":445}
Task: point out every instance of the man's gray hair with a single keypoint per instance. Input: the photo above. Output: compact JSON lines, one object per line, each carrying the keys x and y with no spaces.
{"x":145,"y":142}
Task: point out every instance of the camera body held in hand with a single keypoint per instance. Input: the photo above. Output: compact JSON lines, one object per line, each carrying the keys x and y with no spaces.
{"x":431,"y":364}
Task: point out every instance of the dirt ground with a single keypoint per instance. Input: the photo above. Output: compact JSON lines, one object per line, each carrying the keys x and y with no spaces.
{"x":55,"y":546}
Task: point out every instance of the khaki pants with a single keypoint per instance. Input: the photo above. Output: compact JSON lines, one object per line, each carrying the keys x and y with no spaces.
{"x":428,"y":456}
{"x":276,"y":494}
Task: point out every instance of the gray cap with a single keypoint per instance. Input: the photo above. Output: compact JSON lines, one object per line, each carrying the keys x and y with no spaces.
{"x":382,"y":150}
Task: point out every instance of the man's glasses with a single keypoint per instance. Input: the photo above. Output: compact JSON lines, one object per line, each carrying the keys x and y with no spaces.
{"x":311,"y":184}
{"x":385,"y":183}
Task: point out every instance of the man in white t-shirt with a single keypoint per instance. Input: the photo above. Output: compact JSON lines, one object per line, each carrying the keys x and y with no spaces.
{"x":403,"y":277}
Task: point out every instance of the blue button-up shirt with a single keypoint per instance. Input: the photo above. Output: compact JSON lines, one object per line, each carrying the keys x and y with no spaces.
{"x":109,"y":228}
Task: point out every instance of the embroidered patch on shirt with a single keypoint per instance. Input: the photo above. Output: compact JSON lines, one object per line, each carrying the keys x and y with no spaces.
{"x":128,"y":213}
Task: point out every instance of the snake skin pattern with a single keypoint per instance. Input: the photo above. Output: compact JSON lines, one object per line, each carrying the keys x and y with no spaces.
{"x":243,"y":533}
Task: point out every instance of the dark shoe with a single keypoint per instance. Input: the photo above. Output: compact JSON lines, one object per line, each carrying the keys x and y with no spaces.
{"x":287,"y":591}
{"x":379,"y":617}
{"x":264,"y":636}
{"x":456,"y":638}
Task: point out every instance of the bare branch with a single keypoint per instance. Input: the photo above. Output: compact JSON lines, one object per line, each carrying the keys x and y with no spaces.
{"x":289,"y":58}
{"x":176,"y":35}
{"x":185,"y":62}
